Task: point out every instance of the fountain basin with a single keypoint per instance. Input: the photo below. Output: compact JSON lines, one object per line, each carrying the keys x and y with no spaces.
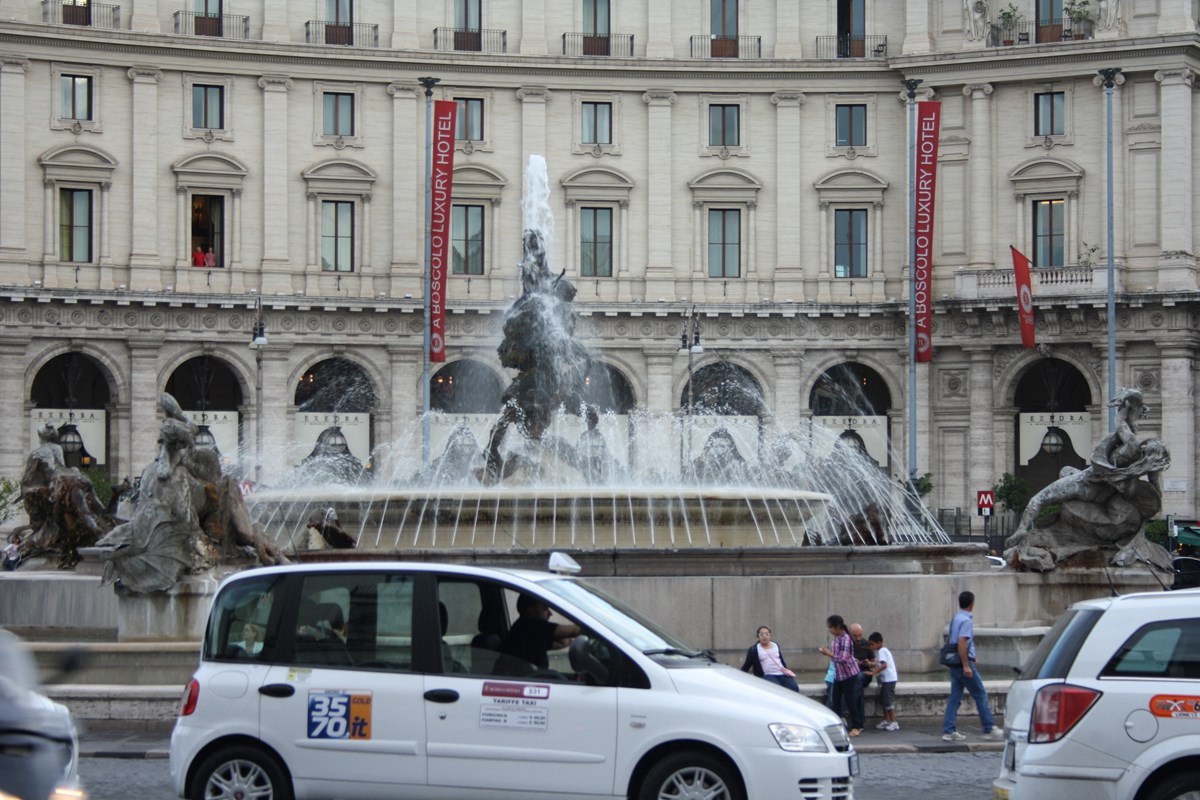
{"x":580,"y":517}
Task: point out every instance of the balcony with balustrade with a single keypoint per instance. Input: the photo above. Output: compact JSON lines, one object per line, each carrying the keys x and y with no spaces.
{"x":852,"y":45}
{"x":1089,"y":280}
{"x":710,"y":46}
{"x":88,"y":15}
{"x":470,"y":40}
{"x":223,"y":26}
{"x":615,"y":45}
{"x":349,"y":34}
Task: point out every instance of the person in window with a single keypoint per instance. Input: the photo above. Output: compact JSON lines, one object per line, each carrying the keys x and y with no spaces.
{"x":210,"y":258}
{"x":198,"y":257}
{"x":533,"y":635}
{"x":251,"y":642}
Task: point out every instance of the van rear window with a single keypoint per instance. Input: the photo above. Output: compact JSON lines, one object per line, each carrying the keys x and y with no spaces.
{"x":1056,"y":653}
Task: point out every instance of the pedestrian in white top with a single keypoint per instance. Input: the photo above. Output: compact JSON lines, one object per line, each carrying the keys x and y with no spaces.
{"x":885,"y":668}
{"x":765,"y":660}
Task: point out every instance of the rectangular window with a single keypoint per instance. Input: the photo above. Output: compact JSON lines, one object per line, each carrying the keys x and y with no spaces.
{"x":1048,"y":114}
{"x":344,"y":619}
{"x":850,"y":243}
{"x":207,"y":8}
{"x":466,"y":240}
{"x":597,"y":123}
{"x":208,"y":107}
{"x":724,"y":243}
{"x":75,"y":225}
{"x":339,"y":114}
{"x":339,"y":12}
{"x":208,"y":226}
{"x":466,"y":15}
{"x":595,"y":17}
{"x":595,"y":242}
{"x":1049,"y":233}
{"x":76,"y":95}
{"x":468,"y":121}
{"x":723,"y":125}
{"x":852,"y":126}
{"x":337,"y":236}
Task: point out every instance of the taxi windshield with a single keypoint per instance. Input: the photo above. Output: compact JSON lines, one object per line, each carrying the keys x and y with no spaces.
{"x":622,"y":620}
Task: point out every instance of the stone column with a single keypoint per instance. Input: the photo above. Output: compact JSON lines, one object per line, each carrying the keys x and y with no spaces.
{"x":533,"y":27}
{"x":143,"y":402}
{"x":14,"y":258}
{"x":404,"y":26}
{"x":145,"y":273}
{"x":979,"y":437}
{"x":916,"y":28}
{"x":981,"y":192}
{"x":408,"y":161}
{"x":14,"y":425}
{"x":658,"y":31}
{"x":1177,"y":267}
{"x":789,"y":269}
{"x":660,"y":269}
{"x":275,"y":264}
{"x":1179,"y":426}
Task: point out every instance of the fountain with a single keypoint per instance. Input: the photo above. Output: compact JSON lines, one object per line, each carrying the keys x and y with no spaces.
{"x":555,"y":472}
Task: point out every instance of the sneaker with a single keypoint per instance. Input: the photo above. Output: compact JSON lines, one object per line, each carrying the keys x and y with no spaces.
{"x":953,"y":736}
{"x":994,"y":735}
{"x":893,"y":726}
{"x":883,"y":726}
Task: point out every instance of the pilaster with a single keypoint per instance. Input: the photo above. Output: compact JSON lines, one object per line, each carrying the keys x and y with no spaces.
{"x":1177,"y":267}
{"x":15,"y":438}
{"x":145,"y":272}
{"x":660,"y":269}
{"x":275,"y":263}
{"x":788,"y":281}
{"x":143,"y":15}
{"x":982,"y":213}
{"x":406,"y":390}
{"x":533,"y":121}
{"x":658,"y":382}
{"x":1174,"y":16}
{"x":143,"y":401}
{"x":275,"y":20}
{"x":979,"y":437}
{"x":787,"y":31}
{"x":658,"y":31}
{"x":916,"y":27}
{"x":408,"y":161}
{"x":404,"y":25}
{"x":1179,"y":429}
{"x":14,"y":256}
{"x":533,"y":27}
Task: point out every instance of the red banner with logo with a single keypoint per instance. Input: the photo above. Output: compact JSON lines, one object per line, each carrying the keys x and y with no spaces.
{"x":442,"y":179}
{"x":1024,"y":296}
{"x":929,"y":116}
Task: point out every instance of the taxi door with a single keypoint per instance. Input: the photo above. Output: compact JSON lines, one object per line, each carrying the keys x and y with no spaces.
{"x":507,"y":734}
{"x":347,"y":715}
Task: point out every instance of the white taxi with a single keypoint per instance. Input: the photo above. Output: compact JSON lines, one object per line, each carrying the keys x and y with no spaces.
{"x":388,"y":680}
{"x":1108,"y":706}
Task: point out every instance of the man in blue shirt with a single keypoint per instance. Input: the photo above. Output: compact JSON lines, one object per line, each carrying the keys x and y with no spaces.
{"x":965,"y":676}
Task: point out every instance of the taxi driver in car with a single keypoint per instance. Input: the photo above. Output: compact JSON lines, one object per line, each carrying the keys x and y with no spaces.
{"x":533,"y":634}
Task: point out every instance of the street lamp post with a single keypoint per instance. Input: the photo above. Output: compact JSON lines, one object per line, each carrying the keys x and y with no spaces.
{"x":689,"y":341}
{"x":910,"y":88}
{"x":428,"y":83}
{"x":1110,"y":77}
{"x":258,"y":343}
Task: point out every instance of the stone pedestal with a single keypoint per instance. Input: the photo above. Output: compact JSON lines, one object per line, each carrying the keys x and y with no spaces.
{"x":179,"y":614}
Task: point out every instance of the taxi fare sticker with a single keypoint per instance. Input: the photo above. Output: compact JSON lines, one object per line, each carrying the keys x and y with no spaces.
{"x":339,"y":715}
{"x":515,"y":706}
{"x":1175,"y":706}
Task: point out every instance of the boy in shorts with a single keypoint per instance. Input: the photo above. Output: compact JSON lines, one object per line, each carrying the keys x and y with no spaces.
{"x":885,"y":668}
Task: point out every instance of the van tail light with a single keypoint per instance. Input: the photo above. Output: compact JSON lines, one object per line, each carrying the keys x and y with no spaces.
{"x":190,"y":695}
{"x":1057,"y":708}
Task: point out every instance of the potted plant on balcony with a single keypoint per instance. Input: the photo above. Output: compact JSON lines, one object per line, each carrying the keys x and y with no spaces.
{"x":1010,"y":18}
{"x":1077,"y":12}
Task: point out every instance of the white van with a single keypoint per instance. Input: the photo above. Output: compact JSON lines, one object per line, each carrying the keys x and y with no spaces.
{"x":402,"y":680}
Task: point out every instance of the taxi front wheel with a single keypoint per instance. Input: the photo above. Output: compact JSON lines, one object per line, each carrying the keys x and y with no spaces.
{"x":1184,"y":786}
{"x":240,"y":773}
{"x":689,"y":775}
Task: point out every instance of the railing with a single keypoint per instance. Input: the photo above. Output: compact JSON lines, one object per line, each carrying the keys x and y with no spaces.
{"x":708,"y":46}
{"x":852,"y":45}
{"x":477,"y":40}
{"x":1042,"y":32}
{"x":619,"y":45}
{"x":92,"y":15}
{"x":355,"y":34}
{"x":1077,"y":280}
{"x":226,"y":26}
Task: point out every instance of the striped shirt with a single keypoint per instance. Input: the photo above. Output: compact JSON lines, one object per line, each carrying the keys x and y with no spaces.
{"x":845,"y":665}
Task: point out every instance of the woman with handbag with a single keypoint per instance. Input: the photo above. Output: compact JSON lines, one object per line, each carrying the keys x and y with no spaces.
{"x":765,"y":659}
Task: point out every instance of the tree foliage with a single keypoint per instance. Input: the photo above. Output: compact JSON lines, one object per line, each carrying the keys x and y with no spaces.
{"x":1012,"y":493}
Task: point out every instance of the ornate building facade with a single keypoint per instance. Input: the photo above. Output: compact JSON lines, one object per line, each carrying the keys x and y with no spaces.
{"x":169,"y":171}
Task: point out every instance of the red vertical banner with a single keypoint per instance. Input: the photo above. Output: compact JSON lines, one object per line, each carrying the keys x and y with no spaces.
{"x":929,"y":115}
{"x":1024,"y":296}
{"x":442,"y":179}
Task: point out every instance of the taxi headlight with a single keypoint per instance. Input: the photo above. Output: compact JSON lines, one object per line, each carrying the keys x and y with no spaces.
{"x":798,"y":738}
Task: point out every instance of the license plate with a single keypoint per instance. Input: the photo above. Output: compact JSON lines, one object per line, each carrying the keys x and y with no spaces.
{"x":854,"y":765}
{"x":999,"y":793}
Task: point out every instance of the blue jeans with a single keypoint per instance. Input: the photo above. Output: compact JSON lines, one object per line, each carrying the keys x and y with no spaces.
{"x":974,"y":686}
{"x":847,"y":694}
{"x":786,"y":681}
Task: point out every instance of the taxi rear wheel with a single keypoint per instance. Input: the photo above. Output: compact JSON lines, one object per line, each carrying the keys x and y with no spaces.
{"x":240,"y":773}
{"x":1185,"y":786}
{"x":690,"y":775}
